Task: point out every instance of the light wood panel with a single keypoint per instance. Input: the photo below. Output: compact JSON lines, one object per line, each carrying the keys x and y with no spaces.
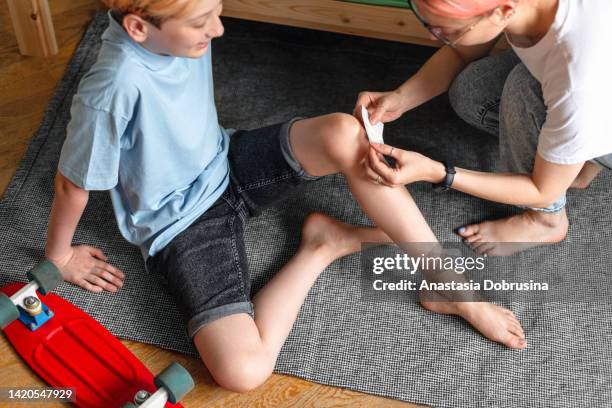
{"x":33,"y":27}
{"x":26,"y":85}
{"x":387,"y":23}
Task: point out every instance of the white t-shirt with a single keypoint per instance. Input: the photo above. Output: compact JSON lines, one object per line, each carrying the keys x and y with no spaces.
{"x":573,"y":62}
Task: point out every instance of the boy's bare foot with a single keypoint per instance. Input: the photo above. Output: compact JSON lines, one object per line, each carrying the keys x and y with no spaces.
{"x":494,"y":322}
{"x":513,"y":234}
{"x":589,"y":171}
{"x":335,"y":239}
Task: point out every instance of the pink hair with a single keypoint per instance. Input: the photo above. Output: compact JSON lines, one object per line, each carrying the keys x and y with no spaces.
{"x":461,"y":9}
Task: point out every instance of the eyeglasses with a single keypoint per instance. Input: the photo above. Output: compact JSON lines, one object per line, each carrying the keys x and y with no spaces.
{"x":438,"y":32}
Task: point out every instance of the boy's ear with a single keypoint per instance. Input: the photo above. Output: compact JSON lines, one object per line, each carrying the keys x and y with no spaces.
{"x":136,"y":27}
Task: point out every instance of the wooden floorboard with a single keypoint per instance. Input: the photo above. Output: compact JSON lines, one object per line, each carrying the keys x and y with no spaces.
{"x":26,"y":85}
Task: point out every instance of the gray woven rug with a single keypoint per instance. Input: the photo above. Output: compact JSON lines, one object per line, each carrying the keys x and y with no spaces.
{"x":265,"y":74}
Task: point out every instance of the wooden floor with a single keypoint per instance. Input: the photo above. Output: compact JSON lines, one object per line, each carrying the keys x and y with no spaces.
{"x":26,"y":85}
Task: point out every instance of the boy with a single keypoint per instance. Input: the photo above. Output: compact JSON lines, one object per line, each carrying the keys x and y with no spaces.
{"x":144,"y":126}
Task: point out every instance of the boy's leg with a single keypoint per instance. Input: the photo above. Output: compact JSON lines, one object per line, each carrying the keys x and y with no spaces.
{"x":239,"y":351}
{"x":337,"y":143}
{"x":210,"y":260}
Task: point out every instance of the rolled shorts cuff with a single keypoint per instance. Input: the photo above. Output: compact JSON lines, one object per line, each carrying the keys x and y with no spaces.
{"x":604,"y":161}
{"x":288,"y":151}
{"x":208,"y":316}
{"x":553,"y":208}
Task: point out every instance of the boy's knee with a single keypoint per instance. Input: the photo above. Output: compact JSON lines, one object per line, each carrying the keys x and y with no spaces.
{"x":346,"y":142}
{"x":242,"y":373}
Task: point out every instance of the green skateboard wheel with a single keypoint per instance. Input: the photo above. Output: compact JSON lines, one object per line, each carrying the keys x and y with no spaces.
{"x":8,"y":311}
{"x":46,"y":275}
{"x":176,"y":380}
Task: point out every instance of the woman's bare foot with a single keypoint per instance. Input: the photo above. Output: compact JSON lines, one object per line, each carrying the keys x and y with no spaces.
{"x":494,"y":322}
{"x":589,"y":171}
{"x":517,"y":233}
{"x":334,"y":239}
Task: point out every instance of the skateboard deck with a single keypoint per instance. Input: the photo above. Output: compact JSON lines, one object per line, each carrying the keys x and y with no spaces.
{"x":72,"y":349}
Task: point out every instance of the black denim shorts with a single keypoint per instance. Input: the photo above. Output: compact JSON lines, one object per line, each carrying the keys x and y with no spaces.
{"x":205,"y":267}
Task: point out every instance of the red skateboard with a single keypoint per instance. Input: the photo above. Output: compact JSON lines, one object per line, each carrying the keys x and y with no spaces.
{"x":68,"y":348}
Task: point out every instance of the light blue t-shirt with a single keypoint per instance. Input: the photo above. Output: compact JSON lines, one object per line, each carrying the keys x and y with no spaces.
{"x":144,"y":126}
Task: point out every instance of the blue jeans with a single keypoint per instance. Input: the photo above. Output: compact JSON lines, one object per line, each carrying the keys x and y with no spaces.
{"x":498,"y":95}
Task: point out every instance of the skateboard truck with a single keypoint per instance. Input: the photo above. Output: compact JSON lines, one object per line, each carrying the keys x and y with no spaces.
{"x":172,"y":385}
{"x":25,"y":304}
{"x":33,"y":312}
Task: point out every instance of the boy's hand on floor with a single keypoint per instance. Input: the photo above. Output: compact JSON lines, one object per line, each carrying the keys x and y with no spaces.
{"x":86,"y":266}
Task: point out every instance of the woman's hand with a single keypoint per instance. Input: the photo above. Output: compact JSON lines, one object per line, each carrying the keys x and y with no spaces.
{"x":86,"y":266}
{"x":382,"y":106}
{"x":410,"y":167}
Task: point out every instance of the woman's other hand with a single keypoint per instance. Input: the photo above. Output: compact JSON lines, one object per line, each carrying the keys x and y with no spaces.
{"x":382,"y":106}
{"x":410,"y":167}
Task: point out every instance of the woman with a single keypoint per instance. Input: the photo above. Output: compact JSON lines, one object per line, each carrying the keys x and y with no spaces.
{"x":545,"y":99}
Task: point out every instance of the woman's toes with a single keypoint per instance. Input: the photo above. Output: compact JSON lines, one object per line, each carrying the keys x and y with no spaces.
{"x":473,"y":240}
{"x":479,"y":246}
{"x":468,"y":230}
{"x":488,"y":249}
{"x":484,"y":249}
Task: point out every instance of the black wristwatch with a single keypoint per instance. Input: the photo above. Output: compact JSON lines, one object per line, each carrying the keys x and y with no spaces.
{"x":448,"y":179}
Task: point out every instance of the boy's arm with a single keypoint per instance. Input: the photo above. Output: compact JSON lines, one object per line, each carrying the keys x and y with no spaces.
{"x":82,"y":265}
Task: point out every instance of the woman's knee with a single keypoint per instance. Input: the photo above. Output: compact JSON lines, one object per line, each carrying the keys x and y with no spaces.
{"x":465,"y":96}
{"x":522,"y":105}
{"x":242,"y":372}
{"x":345,"y":140}
{"x":459,"y":93}
{"x":476,"y":92}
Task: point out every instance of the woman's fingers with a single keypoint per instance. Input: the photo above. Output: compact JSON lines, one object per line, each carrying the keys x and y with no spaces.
{"x":389,"y":175}
{"x":364,"y":99}
{"x":380,"y":110}
{"x":375,"y":177}
{"x":387,"y":150}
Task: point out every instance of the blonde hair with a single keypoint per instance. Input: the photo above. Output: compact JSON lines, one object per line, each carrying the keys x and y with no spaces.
{"x":154,"y":11}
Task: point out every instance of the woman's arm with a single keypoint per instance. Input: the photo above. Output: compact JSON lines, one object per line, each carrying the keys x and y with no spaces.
{"x":438,"y":73}
{"x":546,"y":184}
{"x":540,"y":189}
{"x":433,"y":79}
